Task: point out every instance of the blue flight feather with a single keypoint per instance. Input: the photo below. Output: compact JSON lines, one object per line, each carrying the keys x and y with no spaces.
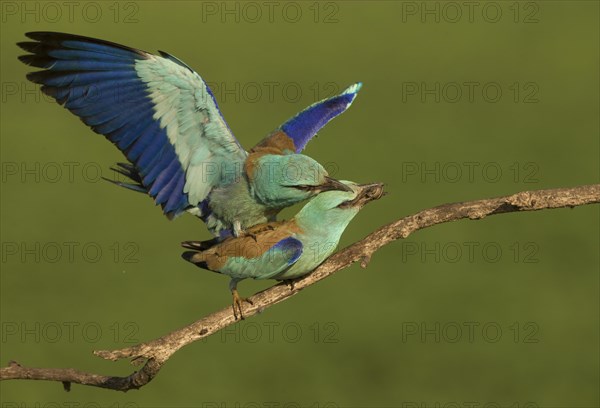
{"x":305,"y":125}
{"x":147,"y":105}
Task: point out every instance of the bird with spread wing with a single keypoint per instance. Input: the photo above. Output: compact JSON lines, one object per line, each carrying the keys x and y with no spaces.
{"x":161,"y":114}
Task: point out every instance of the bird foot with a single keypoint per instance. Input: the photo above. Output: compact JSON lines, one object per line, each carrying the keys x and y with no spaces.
{"x":252,"y":232}
{"x":238,"y":232}
{"x":263,"y":227}
{"x":251,"y":235}
{"x":257,"y":229}
{"x":237,"y":304}
{"x":291,"y":283}
{"x":243,"y":234}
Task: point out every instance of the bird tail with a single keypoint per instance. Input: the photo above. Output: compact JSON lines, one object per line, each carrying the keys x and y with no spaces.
{"x":197,"y":258}
{"x":200,"y":252}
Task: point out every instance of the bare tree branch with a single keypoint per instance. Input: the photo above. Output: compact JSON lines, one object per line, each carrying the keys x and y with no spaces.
{"x":156,"y":352}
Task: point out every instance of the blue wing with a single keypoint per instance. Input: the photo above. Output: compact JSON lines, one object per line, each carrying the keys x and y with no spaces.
{"x":294,"y":134}
{"x":155,"y":109}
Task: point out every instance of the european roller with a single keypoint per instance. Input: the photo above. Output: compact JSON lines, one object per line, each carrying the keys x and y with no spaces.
{"x":289,"y":249}
{"x":164,"y":118}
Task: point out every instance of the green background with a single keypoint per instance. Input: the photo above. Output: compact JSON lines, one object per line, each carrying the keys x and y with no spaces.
{"x":362,"y":337}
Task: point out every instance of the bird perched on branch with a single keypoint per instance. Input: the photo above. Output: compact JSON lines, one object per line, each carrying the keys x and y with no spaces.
{"x":164,"y":118}
{"x":287,"y":249}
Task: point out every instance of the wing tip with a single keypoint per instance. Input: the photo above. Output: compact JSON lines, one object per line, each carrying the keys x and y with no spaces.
{"x":353,"y":89}
{"x":26,"y":59}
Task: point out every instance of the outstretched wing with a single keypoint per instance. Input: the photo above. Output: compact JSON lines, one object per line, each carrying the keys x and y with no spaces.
{"x":155,"y":109}
{"x":294,"y":134}
{"x":243,"y":258}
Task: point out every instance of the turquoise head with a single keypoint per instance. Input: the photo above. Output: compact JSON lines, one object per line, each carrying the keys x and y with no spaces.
{"x":279,"y":181}
{"x":333,"y":210}
{"x":323,"y":220}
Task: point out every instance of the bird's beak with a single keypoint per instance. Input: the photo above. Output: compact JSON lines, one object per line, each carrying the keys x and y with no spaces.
{"x":333,"y":184}
{"x":367,"y":193}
